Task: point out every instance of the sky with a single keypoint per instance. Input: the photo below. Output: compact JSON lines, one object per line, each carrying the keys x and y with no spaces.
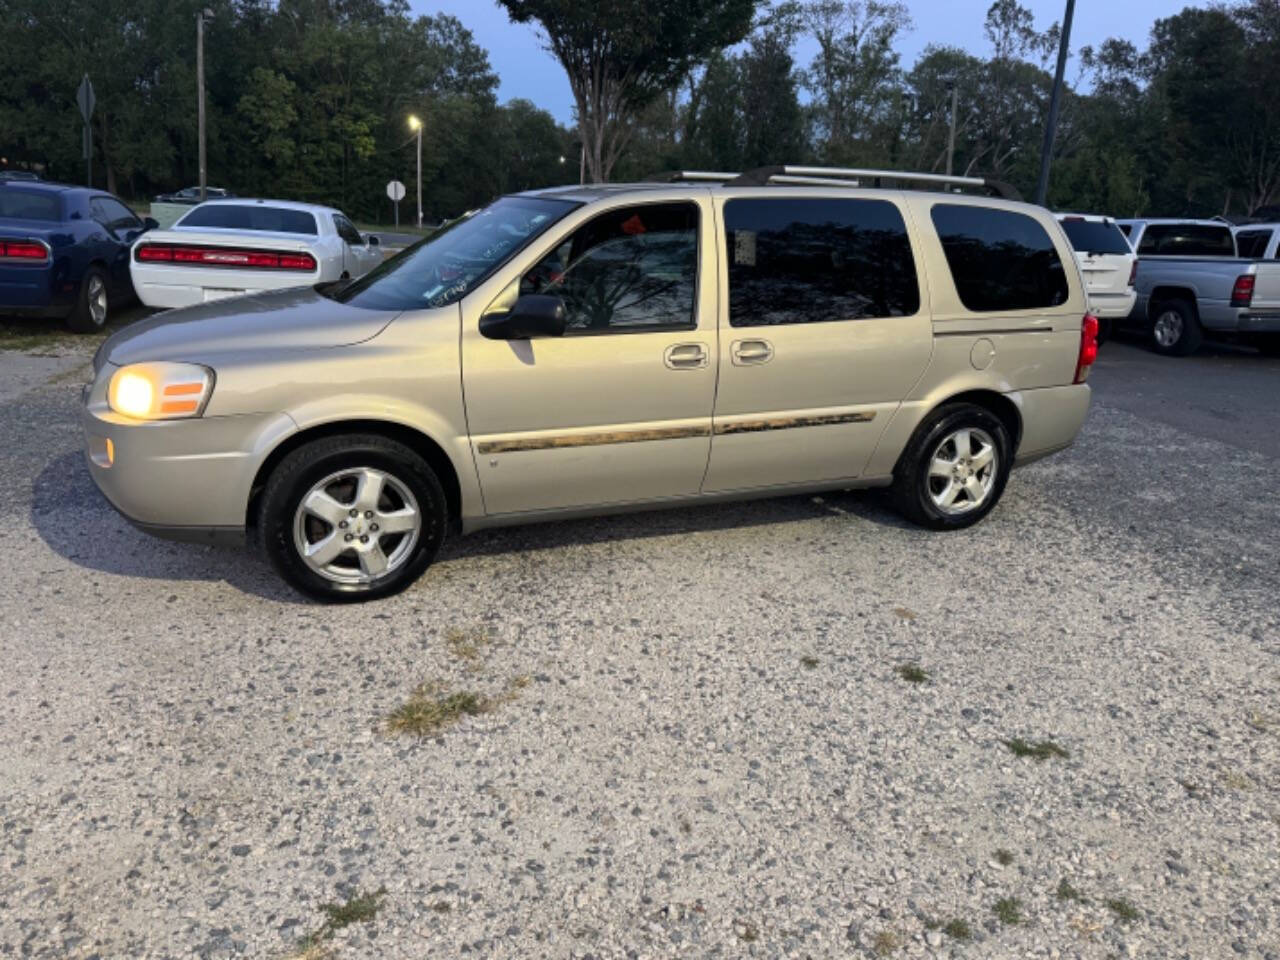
{"x":527,"y":70}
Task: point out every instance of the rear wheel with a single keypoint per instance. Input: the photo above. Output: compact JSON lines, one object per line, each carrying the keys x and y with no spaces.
{"x":1175,"y":328}
{"x":90,"y":312}
{"x":954,"y":470}
{"x":352,"y":518}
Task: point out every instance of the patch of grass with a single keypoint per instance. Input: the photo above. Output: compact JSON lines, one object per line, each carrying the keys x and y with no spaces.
{"x":425,"y":713}
{"x":1008,"y":911}
{"x":958,"y":930}
{"x":1038,"y":751}
{"x":1066,"y":891}
{"x":885,"y":943}
{"x":1004,"y":857}
{"x":467,"y":645}
{"x":809,"y":662}
{"x":747,"y":931}
{"x":357,"y":909}
{"x":912,"y":673}
{"x":1125,"y":911}
{"x":1237,"y":781}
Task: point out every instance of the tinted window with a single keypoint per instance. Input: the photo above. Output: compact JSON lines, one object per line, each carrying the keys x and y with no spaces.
{"x":20,"y":205}
{"x":114,"y":214}
{"x":629,"y":269}
{"x":243,"y":216}
{"x":1252,"y":244}
{"x":1126,"y":229}
{"x":442,"y":268}
{"x":347,"y":231}
{"x":1186,"y":240}
{"x":1096,"y":237}
{"x":801,"y":260}
{"x":999,"y":260}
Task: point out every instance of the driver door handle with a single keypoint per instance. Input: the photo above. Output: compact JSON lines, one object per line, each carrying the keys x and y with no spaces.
{"x":749,"y":352}
{"x":685,"y":356}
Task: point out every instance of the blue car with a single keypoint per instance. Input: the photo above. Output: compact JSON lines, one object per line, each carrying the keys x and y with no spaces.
{"x":64,"y":252}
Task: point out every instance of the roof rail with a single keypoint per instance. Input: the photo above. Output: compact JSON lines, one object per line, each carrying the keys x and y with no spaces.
{"x":700,"y":176}
{"x":857,"y":177}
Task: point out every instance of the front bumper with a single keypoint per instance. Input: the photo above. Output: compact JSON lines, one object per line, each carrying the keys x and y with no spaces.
{"x":181,"y":479}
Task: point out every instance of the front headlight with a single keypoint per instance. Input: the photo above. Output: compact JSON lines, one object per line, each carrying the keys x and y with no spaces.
{"x":160,"y":391}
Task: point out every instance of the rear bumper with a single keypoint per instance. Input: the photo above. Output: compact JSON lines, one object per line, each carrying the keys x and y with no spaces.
{"x":1051,"y":419}
{"x":1258,"y":322}
{"x":33,"y":292}
{"x":168,"y":287}
{"x":1112,"y":306}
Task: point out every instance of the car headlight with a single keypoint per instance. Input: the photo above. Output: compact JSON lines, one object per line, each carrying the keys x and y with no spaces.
{"x":160,"y":391}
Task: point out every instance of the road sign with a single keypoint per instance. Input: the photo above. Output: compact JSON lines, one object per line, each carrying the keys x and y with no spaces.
{"x":85,"y":98}
{"x":395,"y":190}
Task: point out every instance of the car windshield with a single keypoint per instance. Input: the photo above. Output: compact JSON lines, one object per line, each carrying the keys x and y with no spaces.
{"x":1095,"y":236}
{"x":250,"y":216}
{"x":24,"y":205}
{"x":445,"y":266}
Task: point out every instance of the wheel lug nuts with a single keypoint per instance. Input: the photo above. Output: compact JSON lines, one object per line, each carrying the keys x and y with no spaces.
{"x":368,"y":514}
{"x":348,"y":538}
{"x":373,"y":527}
{"x":342,"y":524}
{"x":354,"y":512}
{"x":364,"y":539}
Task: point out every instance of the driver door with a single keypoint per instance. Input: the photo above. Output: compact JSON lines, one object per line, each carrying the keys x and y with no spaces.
{"x":618,"y":410}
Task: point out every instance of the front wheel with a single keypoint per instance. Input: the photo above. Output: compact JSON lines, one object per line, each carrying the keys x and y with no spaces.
{"x":1175,"y":328}
{"x":352,"y":518}
{"x":954,"y":469}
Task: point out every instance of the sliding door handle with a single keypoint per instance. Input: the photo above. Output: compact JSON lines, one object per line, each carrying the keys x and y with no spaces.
{"x":686,"y":356}
{"x":747,"y":352}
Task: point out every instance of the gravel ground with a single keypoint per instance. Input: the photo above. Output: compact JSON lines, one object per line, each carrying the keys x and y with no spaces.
{"x":693,"y":736}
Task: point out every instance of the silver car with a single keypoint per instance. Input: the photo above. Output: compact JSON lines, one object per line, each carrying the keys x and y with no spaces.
{"x":594,"y":349}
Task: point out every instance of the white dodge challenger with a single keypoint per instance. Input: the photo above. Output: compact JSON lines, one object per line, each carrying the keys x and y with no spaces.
{"x":224,"y":248}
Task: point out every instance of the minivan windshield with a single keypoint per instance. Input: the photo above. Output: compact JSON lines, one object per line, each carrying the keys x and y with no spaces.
{"x":1095,"y":236}
{"x":451,"y":262}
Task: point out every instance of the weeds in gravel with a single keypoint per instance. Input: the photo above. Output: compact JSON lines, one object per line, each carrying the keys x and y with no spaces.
{"x":1237,"y":781}
{"x":356,"y":909}
{"x":1125,"y":911}
{"x":1004,"y":857}
{"x":809,"y":662}
{"x":1038,"y":751}
{"x":467,"y":645}
{"x":911,"y":672}
{"x":885,"y":943}
{"x":958,"y":930}
{"x":428,"y":710}
{"x":1066,"y":891}
{"x":1008,"y":911}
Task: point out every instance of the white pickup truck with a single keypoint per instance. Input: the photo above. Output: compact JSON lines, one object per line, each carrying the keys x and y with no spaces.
{"x":1191,"y":283}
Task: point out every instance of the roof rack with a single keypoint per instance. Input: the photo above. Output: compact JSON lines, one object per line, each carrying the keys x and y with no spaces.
{"x":838,"y":177}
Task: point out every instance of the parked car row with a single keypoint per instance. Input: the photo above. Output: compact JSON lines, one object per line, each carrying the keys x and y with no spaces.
{"x":75,"y":253}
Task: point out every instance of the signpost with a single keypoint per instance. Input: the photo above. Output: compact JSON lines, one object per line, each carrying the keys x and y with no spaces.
{"x":395,"y":190}
{"x":85,"y":100}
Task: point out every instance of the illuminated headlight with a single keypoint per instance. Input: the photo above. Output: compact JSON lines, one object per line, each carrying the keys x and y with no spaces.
{"x":160,"y":391}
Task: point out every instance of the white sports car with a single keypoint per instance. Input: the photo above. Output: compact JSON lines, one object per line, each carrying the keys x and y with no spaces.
{"x":224,"y":248}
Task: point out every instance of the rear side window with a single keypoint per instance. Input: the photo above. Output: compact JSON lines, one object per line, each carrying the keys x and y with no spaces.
{"x":19,"y":205}
{"x":1096,"y":237}
{"x":1252,"y":244}
{"x":243,"y":216}
{"x":801,"y":260}
{"x":1186,"y":240}
{"x":999,"y":260}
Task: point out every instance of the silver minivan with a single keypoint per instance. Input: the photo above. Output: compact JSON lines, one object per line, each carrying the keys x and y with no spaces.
{"x":592,"y":349}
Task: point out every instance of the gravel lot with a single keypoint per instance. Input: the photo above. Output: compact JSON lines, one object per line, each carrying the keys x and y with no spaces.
{"x":695,"y":736}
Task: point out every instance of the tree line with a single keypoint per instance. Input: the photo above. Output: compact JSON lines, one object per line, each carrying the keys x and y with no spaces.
{"x":308,"y":99}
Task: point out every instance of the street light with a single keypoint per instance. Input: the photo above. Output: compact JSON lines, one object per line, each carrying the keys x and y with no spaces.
{"x":416,"y":125}
{"x":201,"y":17}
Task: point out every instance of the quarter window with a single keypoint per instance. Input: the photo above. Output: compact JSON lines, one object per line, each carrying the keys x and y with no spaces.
{"x":809,"y":260}
{"x":1252,"y":244}
{"x":627,"y":270}
{"x":999,"y":260}
{"x":1186,"y":240}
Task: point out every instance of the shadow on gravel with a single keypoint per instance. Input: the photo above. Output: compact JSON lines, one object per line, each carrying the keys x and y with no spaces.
{"x":77,"y":523}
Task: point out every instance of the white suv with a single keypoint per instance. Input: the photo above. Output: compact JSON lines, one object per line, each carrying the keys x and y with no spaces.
{"x":1108,"y":265}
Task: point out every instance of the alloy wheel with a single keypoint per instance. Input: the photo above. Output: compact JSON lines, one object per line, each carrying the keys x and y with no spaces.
{"x":963,"y":470}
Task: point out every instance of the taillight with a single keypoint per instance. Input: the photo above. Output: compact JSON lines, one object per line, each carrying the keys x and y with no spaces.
{"x":1133,"y":274}
{"x":1088,"y":347}
{"x":1242,"y":292}
{"x":23,"y":250}
{"x":224,"y":257}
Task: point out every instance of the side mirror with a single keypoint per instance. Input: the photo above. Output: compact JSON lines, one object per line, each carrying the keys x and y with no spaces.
{"x":534,"y":315}
{"x":150,"y":223}
{"x":372,"y":240}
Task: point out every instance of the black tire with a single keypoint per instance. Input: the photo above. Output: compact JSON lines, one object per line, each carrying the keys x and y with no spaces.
{"x":294,"y":479}
{"x":913,"y":486}
{"x":1105,"y":329}
{"x":82,"y":317}
{"x":1182,"y":336}
{"x":1268,"y":344}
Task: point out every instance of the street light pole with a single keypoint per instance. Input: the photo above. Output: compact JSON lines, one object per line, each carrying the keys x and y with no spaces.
{"x":951,"y":139}
{"x":201,"y":17}
{"x":1050,"y":128}
{"x":416,"y":125}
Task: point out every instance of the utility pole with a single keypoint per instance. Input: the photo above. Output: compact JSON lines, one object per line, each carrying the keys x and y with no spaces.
{"x":951,"y":141}
{"x":201,"y":17}
{"x":1050,"y":128}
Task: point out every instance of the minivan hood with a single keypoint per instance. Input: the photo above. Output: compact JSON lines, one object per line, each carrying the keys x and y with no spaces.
{"x":297,"y":319}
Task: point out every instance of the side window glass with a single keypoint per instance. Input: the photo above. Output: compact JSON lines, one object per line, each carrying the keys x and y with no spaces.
{"x":347,"y":231}
{"x":802,"y":260}
{"x":635,"y":268}
{"x":1252,"y":245}
{"x":118,"y":216}
{"x":1000,"y":260}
